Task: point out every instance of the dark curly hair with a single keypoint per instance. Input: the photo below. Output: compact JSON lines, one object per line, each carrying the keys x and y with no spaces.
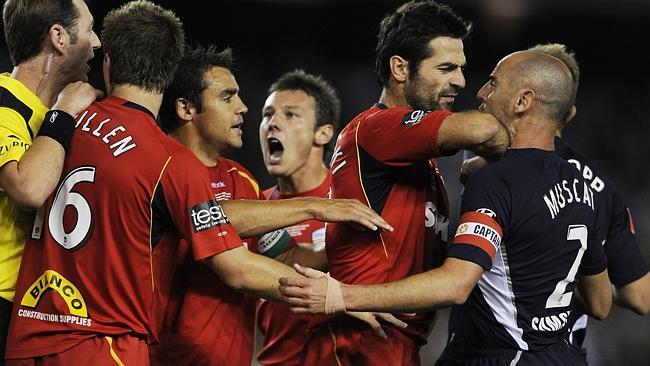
{"x":408,"y":31}
{"x":189,"y":81}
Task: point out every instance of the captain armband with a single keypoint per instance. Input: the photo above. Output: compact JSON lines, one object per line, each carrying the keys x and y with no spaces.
{"x":59,"y":126}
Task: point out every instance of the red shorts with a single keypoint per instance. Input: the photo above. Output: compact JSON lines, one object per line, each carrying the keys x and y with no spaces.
{"x":350,"y":342}
{"x":98,"y":351}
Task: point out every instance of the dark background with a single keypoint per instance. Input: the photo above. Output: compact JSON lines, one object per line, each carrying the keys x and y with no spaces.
{"x":336,"y":39}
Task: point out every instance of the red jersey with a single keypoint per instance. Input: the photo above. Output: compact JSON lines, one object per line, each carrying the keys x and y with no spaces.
{"x":384,"y":157}
{"x":285,"y":333}
{"x":94,"y":265}
{"x":310,"y":231}
{"x":207,"y":322}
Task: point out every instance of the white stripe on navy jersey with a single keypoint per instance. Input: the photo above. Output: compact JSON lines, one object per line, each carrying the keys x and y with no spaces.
{"x":496,"y":287}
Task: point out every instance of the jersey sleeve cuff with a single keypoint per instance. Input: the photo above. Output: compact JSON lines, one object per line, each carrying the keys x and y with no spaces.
{"x":225,"y":238}
{"x":623,"y":279}
{"x":594,"y":269}
{"x":470,"y":253}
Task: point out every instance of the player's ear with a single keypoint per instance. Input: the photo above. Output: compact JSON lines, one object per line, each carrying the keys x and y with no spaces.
{"x":570,"y":114}
{"x":524,"y":101}
{"x":399,"y":68}
{"x":57,"y":36}
{"x":323,"y":134}
{"x":184,"y":110}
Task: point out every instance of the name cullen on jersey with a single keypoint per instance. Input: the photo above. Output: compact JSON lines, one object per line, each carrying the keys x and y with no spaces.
{"x":113,"y":136}
{"x":566,"y":192}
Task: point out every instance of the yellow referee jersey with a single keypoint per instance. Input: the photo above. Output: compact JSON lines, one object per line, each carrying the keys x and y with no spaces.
{"x":21,"y":115}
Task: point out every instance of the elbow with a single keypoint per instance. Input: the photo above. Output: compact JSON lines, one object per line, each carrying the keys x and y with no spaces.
{"x":230,"y":267}
{"x":235,"y":283}
{"x":459,"y":295}
{"x":28,"y":199}
{"x":635,"y":296}
{"x":600,"y":312}
{"x":235,"y":279}
{"x":641,"y":309}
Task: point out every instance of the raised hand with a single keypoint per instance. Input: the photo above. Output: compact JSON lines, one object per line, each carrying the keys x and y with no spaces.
{"x":76,"y":97}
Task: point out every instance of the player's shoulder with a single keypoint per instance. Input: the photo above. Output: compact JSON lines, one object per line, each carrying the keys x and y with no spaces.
{"x":517,"y":168}
{"x":230,"y":165}
{"x":403,"y":115}
{"x":574,"y":156}
{"x":493,"y":170}
{"x":239,"y":174}
{"x":180,"y":157}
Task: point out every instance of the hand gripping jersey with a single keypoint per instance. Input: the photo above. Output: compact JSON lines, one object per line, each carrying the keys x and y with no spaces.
{"x":207,"y":322}
{"x":96,"y":262}
{"x":530,"y":221}
{"x":625,"y":262}
{"x":286,"y":333}
{"x":384,"y":158}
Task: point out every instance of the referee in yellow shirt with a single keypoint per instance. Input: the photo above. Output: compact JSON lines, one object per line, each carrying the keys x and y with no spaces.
{"x":50,"y":43}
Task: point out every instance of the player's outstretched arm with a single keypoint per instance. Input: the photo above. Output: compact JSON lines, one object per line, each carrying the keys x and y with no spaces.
{"x":635,"y":295}
{"x":596,"y":293}
{"x":476,"y":131}
{"x":334,"y":304}
{"x":250,"y":273}
{"x":29,"y":181}
{"x":448,"y":285}
{"x":256,"y":217}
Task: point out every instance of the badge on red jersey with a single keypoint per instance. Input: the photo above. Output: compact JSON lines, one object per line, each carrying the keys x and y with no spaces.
{"x":207,"y":215}
{"x":480,"y":230}
{"x":413,"y":117}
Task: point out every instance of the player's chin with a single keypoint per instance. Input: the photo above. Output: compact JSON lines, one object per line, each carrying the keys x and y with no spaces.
{"x":236,"y":143}
{"x":446,"y":105}
{"x":275,"y":170}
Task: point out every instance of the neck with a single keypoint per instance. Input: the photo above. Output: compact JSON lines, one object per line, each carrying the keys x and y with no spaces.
{"x":308,"y":177}
{"x":393,"y":97}
{"x":149,"y":100}
{"x":32,"y":74}
{"x":534,"y":133}
{"x":189,"y":137}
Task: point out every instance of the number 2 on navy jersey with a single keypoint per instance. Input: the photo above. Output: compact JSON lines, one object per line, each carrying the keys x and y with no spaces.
{"x":66,"y":196}
{"x":560,"y":298}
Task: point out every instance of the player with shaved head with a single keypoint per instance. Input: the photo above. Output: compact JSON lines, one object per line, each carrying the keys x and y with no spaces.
{"x":528,"y":230}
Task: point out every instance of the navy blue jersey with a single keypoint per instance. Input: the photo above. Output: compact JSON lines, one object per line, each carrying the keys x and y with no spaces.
{"x":625,"y":262}
{"x":530,"y":221}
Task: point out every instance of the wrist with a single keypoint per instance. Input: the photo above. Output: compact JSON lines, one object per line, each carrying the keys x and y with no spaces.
{"x":348,"y":297}
{"x":58,"y":125}
{"x":313,"y":208}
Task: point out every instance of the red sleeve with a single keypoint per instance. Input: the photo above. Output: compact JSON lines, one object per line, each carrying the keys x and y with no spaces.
{"x":198,"y":217}
{"x":401,"y":136}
